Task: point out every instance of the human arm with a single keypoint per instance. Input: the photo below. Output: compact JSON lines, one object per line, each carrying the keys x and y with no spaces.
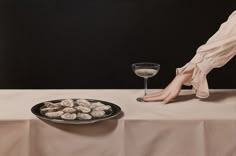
{"x":218,"y":50}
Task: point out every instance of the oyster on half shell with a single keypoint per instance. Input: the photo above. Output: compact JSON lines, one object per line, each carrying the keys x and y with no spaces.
{"x":54,"y":114}
{"x":83,"y":109}
{"x":96,"y":104}
{"x":102,"y":108}
{"x":69,"y":116}
{"x":97,"y":114}
{"x":49,"y":109}
{"x":67,"y":103}
{"x":83,"y":102}
{"x":84,"y":116}
{"x":50,"y":104}
{"x":69,"y":110}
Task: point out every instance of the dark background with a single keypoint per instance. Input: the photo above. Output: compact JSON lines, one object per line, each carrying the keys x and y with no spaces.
{"x":92,"y":43}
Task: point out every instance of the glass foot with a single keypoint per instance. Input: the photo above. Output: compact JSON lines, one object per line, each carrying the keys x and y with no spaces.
{"x":140,"y":99}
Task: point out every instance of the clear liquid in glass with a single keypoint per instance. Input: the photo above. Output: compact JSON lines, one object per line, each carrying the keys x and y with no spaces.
{"x":146,"y":73}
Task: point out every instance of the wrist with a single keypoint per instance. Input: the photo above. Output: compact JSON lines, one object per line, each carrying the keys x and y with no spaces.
{"x":182,"y":78}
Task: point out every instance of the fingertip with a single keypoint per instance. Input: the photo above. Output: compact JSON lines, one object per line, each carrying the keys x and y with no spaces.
{"x":145,"y":96}
{"x":165,"y":102}
{"x":145,"y":99}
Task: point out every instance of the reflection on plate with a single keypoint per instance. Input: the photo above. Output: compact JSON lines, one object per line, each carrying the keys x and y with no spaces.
{"x":75,"y":111}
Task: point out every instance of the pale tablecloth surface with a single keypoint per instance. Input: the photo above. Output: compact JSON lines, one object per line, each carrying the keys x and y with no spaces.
{"x":186,"y":127}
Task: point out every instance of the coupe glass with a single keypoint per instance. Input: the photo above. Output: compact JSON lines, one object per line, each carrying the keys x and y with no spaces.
{"x":145,"y":70}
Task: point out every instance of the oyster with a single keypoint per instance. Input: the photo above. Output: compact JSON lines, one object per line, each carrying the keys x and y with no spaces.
{"x":84,"y":116}
{"x":50,"y":104}
{"x":69,"y":116}
{"x":97,"y":114}
{"x":83,"y":102}
{"x":96,"y":104}
{"x":69,"y":110}
{"x":102,"y":108}
{"x":83,"y":109}
{"x":67,"y":103}
{"x":49,"y":109}
{"x":54,"y":114}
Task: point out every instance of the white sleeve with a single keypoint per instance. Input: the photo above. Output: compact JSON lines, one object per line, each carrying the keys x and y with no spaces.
{"x":218,"y":50}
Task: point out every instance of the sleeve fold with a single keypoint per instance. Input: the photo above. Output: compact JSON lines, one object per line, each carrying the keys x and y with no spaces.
{"x":200,"y":68}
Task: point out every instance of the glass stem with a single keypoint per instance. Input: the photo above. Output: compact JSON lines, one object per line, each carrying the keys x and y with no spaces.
{"x":145,"y":85}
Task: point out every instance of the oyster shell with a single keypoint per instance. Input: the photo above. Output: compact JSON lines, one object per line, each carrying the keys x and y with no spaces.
{"x":67,"y":103}
{"x":83,"y":109}
{"x":97,"y":114}
{"x":69,"y":110}
{"x":96,"y":104}
{"x":54,"y":114}
{"x":49,"y":109}
{"x":69,"y":116}
{"x":102,"y":108}
{"x":83,"y":102}
{"x":50,"y":104}
{"x":84,"y":116}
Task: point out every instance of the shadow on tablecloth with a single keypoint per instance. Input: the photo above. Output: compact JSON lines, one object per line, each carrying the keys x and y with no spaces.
{"x":216,"y":96}
{"x":100,"y":128}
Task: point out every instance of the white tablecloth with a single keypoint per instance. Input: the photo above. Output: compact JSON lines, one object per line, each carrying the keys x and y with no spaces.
{"x":186,"y":127}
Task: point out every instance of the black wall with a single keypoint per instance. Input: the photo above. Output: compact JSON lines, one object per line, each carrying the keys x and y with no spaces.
{"x":92,"y":43}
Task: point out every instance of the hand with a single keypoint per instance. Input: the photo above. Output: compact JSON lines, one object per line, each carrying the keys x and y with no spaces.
{"x":171,"y":91}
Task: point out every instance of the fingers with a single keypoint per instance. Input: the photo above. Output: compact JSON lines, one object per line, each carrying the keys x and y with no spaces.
{"x":157,"y":98}
{"x":153,"y":94}
{"x":169,"y":98}
{"x":167,"y":94}
{"x":157,"y":93}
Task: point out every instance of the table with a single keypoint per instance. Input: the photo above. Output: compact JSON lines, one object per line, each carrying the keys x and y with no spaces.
{"x":187,"y":127}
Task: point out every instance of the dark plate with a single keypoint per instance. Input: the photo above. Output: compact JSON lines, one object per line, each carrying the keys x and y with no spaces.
{"x":116,"y":110}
